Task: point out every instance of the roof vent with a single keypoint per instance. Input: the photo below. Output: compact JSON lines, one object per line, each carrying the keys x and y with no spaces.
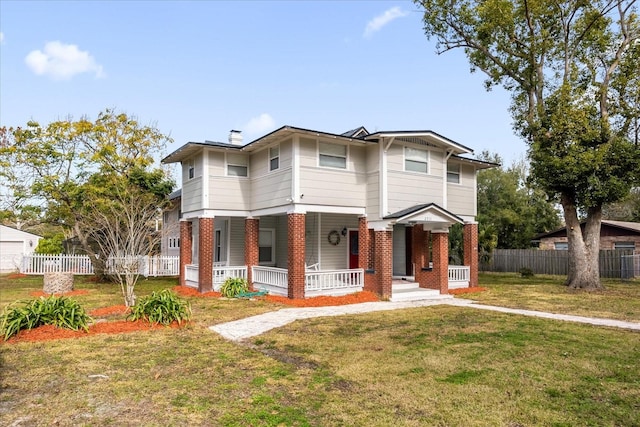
{"x":235,"y":137}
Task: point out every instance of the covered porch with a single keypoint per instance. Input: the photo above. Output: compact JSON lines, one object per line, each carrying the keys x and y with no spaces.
{"x":306,"y":254}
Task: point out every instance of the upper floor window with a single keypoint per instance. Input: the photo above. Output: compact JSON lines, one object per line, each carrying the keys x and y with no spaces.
{"x":332,"y":155}
{"x":416,"y":160}
{"x":453,"y":173}
{"x":237,"y":165}
{"x":191,"y":169}
{"x":274,"y":158}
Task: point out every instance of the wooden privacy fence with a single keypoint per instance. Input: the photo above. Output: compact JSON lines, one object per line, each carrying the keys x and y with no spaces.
{"x":81,"y":264}
{"x":550,"y":261}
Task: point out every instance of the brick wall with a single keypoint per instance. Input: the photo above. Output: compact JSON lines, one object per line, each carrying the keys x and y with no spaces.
{"x":251,"y":249}
{"x":185,"y":248}
{"x":296,"y":254}
{"x":205,"y":258}
{"x":470,"y":250}
{"x":363,"y":243}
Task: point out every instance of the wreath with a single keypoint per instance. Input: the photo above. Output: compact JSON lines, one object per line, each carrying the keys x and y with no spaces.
{"x":333,"y":237}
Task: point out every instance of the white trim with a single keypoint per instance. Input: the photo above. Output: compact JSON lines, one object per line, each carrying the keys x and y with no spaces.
{"x":445,"y":192}
{"x":295,"y":169}
{"x":205,"y":180}
{"x":284,"y":209}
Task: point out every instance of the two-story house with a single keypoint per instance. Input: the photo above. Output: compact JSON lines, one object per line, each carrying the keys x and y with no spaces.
{"x":300,"y":212}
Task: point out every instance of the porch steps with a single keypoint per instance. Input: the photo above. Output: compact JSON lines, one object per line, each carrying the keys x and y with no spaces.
{"x":410,"y":291}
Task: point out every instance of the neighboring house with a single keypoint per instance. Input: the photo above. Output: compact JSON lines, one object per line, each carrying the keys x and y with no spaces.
{"x":613,"y":235}
{"x":170,"y":244}
{"x":301,"y":212}
{"x":13,"y":244}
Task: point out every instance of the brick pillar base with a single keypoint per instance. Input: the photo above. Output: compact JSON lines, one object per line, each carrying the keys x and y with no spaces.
{"x":470,"y":248}
{"x":296,"y":254}
{"x":205,"y":258}
{"x":383,"y":262}
{"x":438,"y":277}
{"x":363,"y":243}
{"x":251,"y":249}
{"x":186,"y":239}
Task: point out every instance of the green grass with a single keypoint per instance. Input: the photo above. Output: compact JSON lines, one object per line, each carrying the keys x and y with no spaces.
{"x":620,"y":300}
{"x":431,"y":366}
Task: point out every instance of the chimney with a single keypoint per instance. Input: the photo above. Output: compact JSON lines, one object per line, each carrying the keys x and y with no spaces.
{"x":235,"y":137}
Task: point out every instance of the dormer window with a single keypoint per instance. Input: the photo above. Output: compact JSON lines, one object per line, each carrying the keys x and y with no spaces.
{"x":274,"y":158}
{"x":416,"y":160}
{"x":237,"y":165}
{"x":332,"y":155}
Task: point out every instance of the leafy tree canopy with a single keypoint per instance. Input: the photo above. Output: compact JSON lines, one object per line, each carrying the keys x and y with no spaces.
{"x":572,"y":70}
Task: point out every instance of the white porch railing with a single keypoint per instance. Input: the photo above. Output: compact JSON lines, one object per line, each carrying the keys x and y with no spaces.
{"x":81,"y":264}
{"x":220,"y":274}
{"x":459,"y":276}
{"x":191,"y":275}
{"x":275,"y":280}
{"x":333,"y":282}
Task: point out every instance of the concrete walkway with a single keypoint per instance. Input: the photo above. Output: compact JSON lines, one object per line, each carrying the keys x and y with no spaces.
{"x":256,"y":325}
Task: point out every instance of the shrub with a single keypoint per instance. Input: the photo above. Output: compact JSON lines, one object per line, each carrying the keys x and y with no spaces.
{"x":61,"y":312}
{"x":234,"y":286}
{"x":161,"y":307}
{"x":526,"y":272}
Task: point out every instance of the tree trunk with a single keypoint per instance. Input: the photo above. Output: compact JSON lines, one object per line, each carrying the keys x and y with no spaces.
{"x":99,"y":264}
{"x":584,"y":247}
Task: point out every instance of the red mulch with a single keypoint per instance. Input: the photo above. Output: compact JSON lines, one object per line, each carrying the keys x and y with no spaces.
{"x":466,"y":290}
{"x":193,"y":292}
{"x":108,"y":311}
{"x":66,"y":294}
{"x":324,"y":301}
{"x":50,"y":332}
{"x":16,"y":276}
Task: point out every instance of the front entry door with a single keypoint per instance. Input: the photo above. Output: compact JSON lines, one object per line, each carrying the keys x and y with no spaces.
{"x":353,"y":249}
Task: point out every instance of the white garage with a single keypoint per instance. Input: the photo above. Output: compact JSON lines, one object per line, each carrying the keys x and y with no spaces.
{"x":13,"y":244}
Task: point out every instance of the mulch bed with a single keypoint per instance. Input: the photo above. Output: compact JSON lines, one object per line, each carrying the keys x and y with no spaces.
{"x":466,"y":290}
{"x":50,"y":332}
{"x":66,"y":294}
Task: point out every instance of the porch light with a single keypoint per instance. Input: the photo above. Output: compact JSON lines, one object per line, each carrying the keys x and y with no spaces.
{"x":344,"y":231}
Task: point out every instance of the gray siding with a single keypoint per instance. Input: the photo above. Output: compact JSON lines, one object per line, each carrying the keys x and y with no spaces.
{"x":270,"y":188}
{"x":192,"y":195}
{"x":335,"y":257}
{"x":461,"y":197}
{"x":319,"y":184}
{"x":236,"y":241}
{"x":231,"y":193}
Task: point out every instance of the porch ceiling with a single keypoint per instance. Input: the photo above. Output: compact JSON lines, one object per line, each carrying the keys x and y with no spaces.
{"x":430,"y":215}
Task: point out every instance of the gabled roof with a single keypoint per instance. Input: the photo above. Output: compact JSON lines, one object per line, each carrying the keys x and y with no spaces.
{"x":427,"y":213}
{"x":633,"y":227}
{"x":413,"y":135}
{"x":358,"y":132}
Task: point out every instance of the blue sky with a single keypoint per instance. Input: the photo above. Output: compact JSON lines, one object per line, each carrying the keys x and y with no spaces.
{"x":199,"y":69}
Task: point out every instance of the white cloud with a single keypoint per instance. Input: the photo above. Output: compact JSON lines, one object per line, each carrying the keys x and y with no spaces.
{"x":259,"y":125}
{"x":383,"y":19}
{"x":62,"y":61}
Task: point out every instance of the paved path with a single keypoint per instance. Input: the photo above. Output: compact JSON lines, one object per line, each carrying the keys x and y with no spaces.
{"x":256,"y":325}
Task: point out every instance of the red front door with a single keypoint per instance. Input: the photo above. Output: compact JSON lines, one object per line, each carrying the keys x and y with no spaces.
{"x":353,"y":249}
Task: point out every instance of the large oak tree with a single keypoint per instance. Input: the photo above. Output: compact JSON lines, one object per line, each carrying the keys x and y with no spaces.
{"x":573,"y":69}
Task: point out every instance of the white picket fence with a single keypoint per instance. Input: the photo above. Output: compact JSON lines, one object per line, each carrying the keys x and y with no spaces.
{"x":148,"y":266}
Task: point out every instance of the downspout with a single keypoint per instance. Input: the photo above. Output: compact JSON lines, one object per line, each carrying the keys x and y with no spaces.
{"x":384,"y":192}
{"x":444,"y":180}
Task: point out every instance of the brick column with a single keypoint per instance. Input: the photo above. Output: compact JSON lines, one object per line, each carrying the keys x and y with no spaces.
{"x":418,"y":249}
{"x":205,"y":255}
{"x":251,"y":249}
{"x":470,"y":248}
{"x":363,"y":243}
{"x":383,"y":262}
{"x":185,"y":248}
{"x":296,"y":254}
{"x":438,"y":278}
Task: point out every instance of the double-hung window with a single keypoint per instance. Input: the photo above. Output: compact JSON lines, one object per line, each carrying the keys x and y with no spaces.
{"x":453,"y":173}
{"x":332,"y":155}
{"x":416,"y":160}
{"x":267,"y":246}
{"x":191,"y":169}
{"x":274,"y":158}
{"x":237,"y":165}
